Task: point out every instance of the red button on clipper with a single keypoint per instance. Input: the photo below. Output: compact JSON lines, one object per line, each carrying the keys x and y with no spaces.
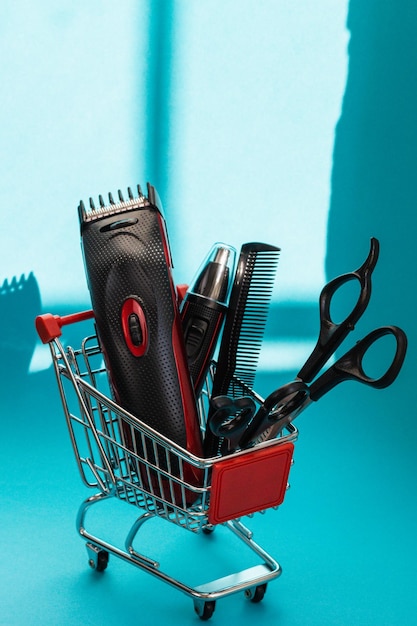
{"x":134,"y":327}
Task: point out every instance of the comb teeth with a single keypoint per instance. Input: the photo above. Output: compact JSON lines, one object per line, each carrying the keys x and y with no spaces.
{"x":252,"y":312}
{"x":113,"y":207}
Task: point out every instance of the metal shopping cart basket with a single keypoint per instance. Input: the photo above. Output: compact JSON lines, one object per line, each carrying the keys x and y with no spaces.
{"x":121,"y":457}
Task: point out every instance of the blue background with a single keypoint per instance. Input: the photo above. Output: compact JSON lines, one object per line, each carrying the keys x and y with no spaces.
{"x":254,"y":121}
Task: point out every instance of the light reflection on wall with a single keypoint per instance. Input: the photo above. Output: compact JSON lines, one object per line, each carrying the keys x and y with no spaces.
{"x":71,"y":127}
{"x":258,"y":93}
{"x":254,"y":95}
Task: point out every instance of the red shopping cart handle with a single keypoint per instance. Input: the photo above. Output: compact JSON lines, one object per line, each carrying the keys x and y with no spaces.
{"x":49,"y":326}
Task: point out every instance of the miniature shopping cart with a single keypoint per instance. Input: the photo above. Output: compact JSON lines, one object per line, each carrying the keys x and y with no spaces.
{"x":121,"y":457}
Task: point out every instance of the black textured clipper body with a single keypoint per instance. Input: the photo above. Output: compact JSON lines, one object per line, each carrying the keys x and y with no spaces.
{"x":129,"y":273}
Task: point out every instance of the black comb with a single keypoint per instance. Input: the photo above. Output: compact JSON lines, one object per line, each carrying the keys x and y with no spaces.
{"x":244,"y":326}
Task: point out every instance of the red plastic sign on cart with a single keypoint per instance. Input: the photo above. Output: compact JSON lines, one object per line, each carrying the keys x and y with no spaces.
{"x":252,"y":482}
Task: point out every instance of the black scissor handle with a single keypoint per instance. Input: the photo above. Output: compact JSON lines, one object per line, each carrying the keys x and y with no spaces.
{"x":231,"y":417}
{"x":331,"y":334}
{"x":349,"y":366}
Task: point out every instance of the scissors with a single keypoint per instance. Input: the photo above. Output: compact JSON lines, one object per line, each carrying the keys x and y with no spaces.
{"x":230,"y":420}
{"x":288,"y":401}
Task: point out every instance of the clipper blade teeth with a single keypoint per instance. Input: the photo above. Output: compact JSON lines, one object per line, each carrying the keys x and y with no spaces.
{"x":113,"y":207}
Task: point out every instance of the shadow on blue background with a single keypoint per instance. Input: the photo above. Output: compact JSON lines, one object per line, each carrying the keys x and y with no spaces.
{"x":374,"y":187}
{"x":20,"y":302}
{"x":374,"y":190}
{"x":346,"y":534}
{"x":374,"y":193}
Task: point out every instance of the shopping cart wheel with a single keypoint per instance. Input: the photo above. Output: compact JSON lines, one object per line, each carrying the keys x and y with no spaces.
{"x":208,"y":529}
{"x":102,"y":561}
{"x":257,"y":594}
{"x":204,"y":610}
{"x":97,"y":558}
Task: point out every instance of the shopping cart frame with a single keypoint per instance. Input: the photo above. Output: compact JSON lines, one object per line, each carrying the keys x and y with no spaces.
{"x":110,"y":447}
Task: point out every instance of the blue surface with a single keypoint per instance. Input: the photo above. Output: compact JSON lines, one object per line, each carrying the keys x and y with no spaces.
{"x":345,"y":535}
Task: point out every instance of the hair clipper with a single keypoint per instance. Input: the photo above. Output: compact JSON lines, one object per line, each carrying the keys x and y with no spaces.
{"x":129,"y":274}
